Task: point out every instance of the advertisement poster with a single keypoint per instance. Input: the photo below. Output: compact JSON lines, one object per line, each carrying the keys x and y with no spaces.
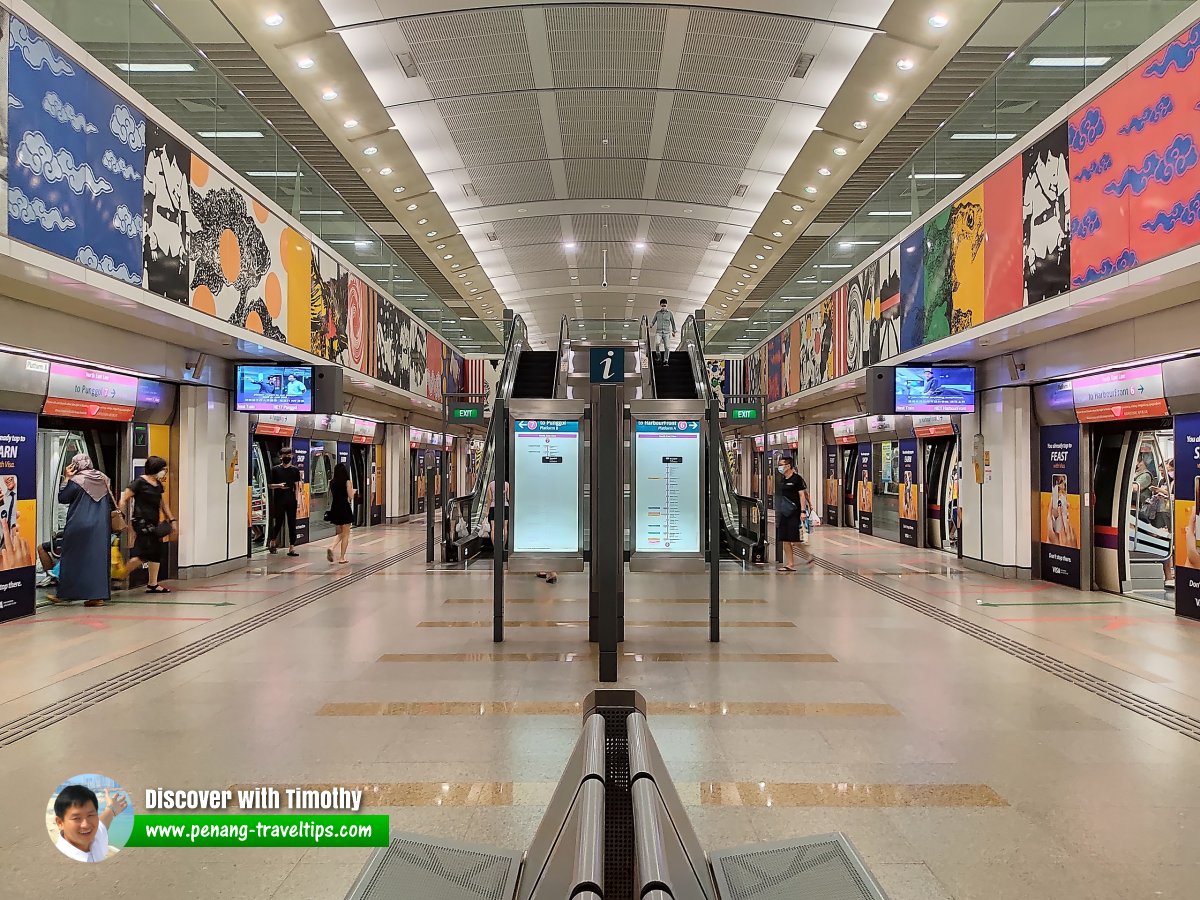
{"x":545,"y":487}
{"x":1187,"y":491}
{"x":910,"y":493}
{"x":667,"y":486}
{"x":304,"y":501}
{"x":343,"y":455}
{"x":833,"y":486}
{"x":1060,"y":505}
{"x":866,"y":490}
{"x":18,"y":513}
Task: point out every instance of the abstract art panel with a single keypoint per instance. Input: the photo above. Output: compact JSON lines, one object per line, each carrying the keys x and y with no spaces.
{"x":362,"y":304}
{"x":1046,"y":209}
{"x":1003,"y":278}
{"x":327,"y":306}
{"x":234,"y":254}
{"x":166,"y":215}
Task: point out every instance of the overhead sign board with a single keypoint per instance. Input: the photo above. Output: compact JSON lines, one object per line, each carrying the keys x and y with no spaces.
{"x":932,"y":426}
{"x":845,"y":430}
{"x":466,"y":412}
{"x":607,"y":365}
{"x":667,"y":469}
{"x":741,"y":413}
{"x":81,"y":393}
{"x":1128,"y":394}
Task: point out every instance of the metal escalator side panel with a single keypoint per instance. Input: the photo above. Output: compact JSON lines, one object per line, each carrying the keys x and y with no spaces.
{"x":585,"y":766}
{"x":825,"y":866}
{"x":417,"y":865}
{"x":677,"y":827}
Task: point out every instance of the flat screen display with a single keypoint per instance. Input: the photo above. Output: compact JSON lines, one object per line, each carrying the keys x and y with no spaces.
{"x":284,"y":389}
{"x":935,"y":389}
{"x":546,"y":488}
{"x":667,"y":487}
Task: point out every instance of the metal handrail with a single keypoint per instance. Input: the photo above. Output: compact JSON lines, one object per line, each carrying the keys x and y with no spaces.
{"x":563,"y":341}
{"x":646,"y":350}
{"x":691,"y":342}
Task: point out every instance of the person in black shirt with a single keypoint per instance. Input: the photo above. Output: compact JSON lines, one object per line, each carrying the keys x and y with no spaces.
{"x":150,"y":519}
{"x":283,"y":482}
{"x":791,"y":505}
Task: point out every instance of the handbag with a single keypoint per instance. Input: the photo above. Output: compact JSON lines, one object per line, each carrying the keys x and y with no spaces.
{"x":116,"y":518}
{"x":784,"y":506}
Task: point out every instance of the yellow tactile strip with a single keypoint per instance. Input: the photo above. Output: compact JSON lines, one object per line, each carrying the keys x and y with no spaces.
{"x":574,"y":708}
{"x":749,"y":793}
{"x":585,"y":656}
{"x":555,"y":623}
{"x":717,"y":793}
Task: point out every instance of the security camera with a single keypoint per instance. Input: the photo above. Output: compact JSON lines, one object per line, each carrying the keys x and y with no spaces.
{"x":604,"y":284}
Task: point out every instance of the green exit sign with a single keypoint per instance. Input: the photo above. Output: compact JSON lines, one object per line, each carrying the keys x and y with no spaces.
{"x":745,"y":413}
{"x":466,"y":412}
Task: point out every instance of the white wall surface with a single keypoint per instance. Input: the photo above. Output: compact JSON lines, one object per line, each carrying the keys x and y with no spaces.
{"x":997,"y":513}
{"x":396,"y":456}
{"x":212,"y":514}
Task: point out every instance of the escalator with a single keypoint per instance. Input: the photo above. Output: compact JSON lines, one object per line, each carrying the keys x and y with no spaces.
{"x":684,"y":376}
{"x":525,"y":374}
{"x":673,"y":378}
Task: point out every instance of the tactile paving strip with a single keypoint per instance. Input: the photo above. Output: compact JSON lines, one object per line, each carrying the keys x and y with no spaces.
{"x":31,"y":723}
{"x":1189,"y":726}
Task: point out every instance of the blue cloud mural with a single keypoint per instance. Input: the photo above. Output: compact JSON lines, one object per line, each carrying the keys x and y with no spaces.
{"x":1090,"y":130}
{"x":1095,"y":168}
{"x":1179,"y":214}
{"x":1109,"y":266}
{"x":1151,"y":115}
{"x":76,"y":160}
{"x":1180,"y":54}
{"x":1086,"y":225}
{"x":1179,"y":157}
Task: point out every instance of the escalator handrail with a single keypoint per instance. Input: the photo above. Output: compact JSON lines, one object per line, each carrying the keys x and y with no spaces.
{"x":690,"y":341}
{"x":646,"y":348}
{"x":563,"y":342}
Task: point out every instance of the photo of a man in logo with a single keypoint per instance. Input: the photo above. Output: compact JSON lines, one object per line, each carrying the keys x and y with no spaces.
{"x":89,"y":818}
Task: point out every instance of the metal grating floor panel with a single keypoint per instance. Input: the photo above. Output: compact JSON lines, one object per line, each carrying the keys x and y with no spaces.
{"x":431,"y":869}
{"x":824,"y":866}
{"x":1179,"y":722}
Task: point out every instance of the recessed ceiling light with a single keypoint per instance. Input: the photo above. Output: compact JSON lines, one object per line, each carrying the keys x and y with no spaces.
{"x":777,"y":234}
{"x":305,"y":62}
{"x":786,"y":221}
{"x":633,"y":278}
{"x":881,"y":96}
{"x":824,"y":171}
{"x":937,"y":20}
{"x":431,"y":234}
{"x":734,"y":291}
{"x":570,"y":245}
{"x":838,"y":151}
{"x":640,"y":246}
{"x":456,"y":266}
{"x":440,"y":247}
{"x":411,"y":207}
{"x":904,"y":64}
{"x":463,"y":275}
{"x":386,"y":170}
{"x":628,"y":299}
{"x":578,"y":299}
{"x":350,"y":123}
{"x":329,"y":94}
{"x":574,"y":277}
{"x":448,"y":256}
{"x":759,"y":256}
{"x":468,"y":283}
{"x":741,"y":284}
{"x":370,"y":151}
{"x":768,"y":247}
{"x":474,"y":290}
{"x":860,"y":124}
{"x":398,"y":190}
{"x":796,"y":207}
{"x":724,"y":306}
{"x":274,"y":20}
{"x":809,"y":189}
{"x":754,"y":265}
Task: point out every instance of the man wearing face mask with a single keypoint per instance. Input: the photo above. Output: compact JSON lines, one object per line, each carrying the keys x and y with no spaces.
{"x":791,"y":505}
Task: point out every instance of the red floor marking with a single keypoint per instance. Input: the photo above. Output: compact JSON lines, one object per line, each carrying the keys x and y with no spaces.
{"x":1113,"y":623}
{"x":99,"y":621}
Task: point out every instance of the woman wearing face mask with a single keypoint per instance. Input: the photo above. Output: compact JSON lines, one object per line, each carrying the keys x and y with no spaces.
{"x":791,"y":505}
{"x":1164,"y":507}
{"x":150,"y":520}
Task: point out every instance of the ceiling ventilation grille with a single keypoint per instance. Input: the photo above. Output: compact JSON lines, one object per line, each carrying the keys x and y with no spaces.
{"x":491,"y":236}
{"x":741,"y":190}
{"x":468,"y":190}
{"x":407,"y":64}
{"x":718,"y":237}
{"x":802,"y":64}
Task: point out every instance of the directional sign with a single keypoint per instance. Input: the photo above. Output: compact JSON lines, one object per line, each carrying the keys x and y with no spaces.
{"x":470,"y":412}
{"x":743,"y":413}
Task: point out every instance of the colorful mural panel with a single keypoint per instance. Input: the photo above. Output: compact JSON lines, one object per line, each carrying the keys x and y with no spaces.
{"x":166,"y":214}
{"x":1003,"y":278}
{"x":775,"y":374}
{"x":433,"y":361}
{"x":1046,"y":207}
{"x":362,"y":304}
{"x":75,"y":153}
{"x":327,"y":306}
{"x":912,"y":291}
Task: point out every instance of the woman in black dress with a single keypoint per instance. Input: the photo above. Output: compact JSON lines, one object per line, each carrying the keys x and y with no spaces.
{"x":341,"y":510}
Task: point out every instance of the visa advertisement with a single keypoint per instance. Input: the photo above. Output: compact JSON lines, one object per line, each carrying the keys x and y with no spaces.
{"x":935,"y":389}
{"x":833,"y":486}
{"x":1127,"y":394}
{"x":545,"y":487}
{"x":1187,"y":492}
{"x":667,"y":486}
{"x":18,"y":513}
{"x":865,"y":490}
{"x":910,"y":493}
{"x":300,"y":455}
{"x":1060,"y":505}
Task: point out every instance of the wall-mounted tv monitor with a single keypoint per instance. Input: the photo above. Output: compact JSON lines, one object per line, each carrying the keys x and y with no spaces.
{"x":935,"y":389}
{"x":282,"y":389}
